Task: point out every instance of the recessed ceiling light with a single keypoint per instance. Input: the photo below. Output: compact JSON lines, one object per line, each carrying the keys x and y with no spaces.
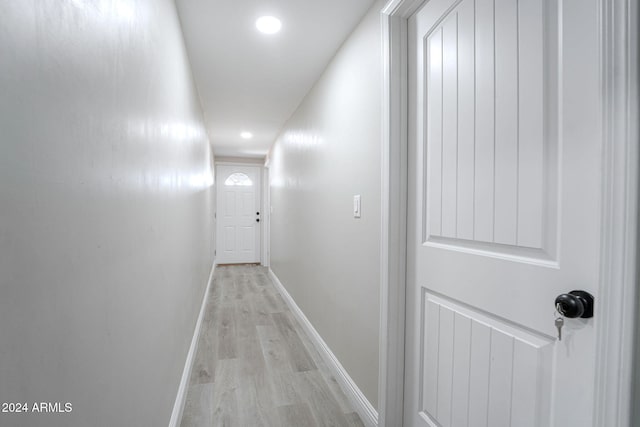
{"x":268,"y":24}
{"x":246,"y":135}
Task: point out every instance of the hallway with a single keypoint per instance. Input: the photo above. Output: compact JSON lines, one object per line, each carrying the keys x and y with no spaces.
{"x":380,"y":213}
{"x":255,"y":366}
{"x":117,"y":118}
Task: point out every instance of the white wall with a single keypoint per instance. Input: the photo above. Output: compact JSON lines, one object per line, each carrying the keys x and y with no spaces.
{"x":105,"y":210}
{"x":328,"y":152}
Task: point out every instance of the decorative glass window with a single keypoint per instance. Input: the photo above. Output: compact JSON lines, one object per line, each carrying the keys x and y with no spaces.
{"x":238,"y":178}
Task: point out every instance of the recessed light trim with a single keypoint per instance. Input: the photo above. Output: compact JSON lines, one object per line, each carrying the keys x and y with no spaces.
{"x":246,"y":135}
{"x":268,"y":24}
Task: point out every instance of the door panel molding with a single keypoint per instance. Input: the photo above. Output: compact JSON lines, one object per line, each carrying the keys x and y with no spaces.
{"x":512,"y":366}
{"x":491,"y":143}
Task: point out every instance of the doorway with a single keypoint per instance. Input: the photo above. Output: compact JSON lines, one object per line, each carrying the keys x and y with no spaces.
{"x":238,"y":214}
{"x":615,"y":96}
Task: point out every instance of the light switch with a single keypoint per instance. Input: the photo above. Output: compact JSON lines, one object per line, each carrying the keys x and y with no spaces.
{"x":356,"y":206}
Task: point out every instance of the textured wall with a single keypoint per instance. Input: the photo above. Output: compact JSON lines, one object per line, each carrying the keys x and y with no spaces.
{"x":328,"y":152}
{"x":105,"y":210}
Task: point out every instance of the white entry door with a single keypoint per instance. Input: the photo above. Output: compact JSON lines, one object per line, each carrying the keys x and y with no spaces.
{"x":238,"y":214}
{"x":504,"y":211}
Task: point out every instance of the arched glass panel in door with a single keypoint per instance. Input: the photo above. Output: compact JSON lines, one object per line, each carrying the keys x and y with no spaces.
{"x":238,"y":178}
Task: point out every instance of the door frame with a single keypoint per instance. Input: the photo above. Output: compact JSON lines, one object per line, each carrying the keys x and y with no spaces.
{"x":618,"y":259}
{"x":260,"y":167}
{"x":617,"y":295}
{"x":266,"y":216}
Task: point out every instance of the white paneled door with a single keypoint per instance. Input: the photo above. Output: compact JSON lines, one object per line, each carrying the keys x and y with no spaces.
{"x":504,"y":211}
{"x":238,"y":214}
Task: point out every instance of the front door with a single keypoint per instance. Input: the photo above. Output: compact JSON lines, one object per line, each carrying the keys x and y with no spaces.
{"x":504,"y":211}
{"x":238,"y":214}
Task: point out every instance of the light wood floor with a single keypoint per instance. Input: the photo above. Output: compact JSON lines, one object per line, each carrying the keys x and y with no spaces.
{"x":255,"y":366}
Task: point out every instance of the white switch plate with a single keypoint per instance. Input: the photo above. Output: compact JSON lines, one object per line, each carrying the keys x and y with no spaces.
{"x":356,"y":206}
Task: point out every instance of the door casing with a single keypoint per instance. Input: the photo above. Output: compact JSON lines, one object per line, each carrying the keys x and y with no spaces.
{"x":616,"y":308}
{"x":266,"y":216}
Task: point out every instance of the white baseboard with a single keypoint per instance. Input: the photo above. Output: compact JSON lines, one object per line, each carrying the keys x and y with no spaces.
{"x":178,"y":406}
{"x":363,"y":407}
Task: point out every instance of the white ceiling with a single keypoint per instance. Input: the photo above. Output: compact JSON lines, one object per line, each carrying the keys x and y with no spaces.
{"x":248,"y":81}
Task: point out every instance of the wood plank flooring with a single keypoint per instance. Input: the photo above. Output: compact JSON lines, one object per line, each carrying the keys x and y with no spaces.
{"x":255,"y":366}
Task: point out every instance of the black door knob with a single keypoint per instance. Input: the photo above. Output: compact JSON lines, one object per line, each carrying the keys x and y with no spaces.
{"x":575,"y":304}
{"x":257,"y":213}
{"x":257,"y":219}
